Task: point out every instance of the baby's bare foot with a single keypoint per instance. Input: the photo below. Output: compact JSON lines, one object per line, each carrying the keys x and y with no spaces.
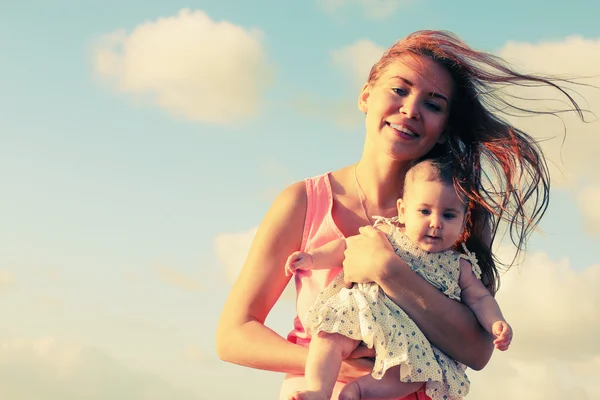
{"x":307,"y":395}
{"x":350,"y":391}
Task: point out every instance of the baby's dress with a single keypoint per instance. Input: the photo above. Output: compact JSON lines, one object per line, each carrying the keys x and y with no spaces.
{"x":365,"y":313}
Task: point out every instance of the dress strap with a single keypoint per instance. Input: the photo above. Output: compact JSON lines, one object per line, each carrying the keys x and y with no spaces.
{"x":391,"y":222}
{"x":472,"y":258}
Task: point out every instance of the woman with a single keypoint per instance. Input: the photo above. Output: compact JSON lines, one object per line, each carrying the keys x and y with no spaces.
{"x":424,"y":95}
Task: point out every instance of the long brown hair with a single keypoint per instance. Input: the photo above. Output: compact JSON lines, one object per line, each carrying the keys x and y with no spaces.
{"x":499,"y":168}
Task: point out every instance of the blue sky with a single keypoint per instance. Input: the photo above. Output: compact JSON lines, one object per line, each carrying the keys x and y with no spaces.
{"x":135,"y":173}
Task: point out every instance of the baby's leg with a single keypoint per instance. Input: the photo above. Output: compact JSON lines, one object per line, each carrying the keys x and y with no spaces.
{"x":325,"y":355}
{"x":388,"y":387}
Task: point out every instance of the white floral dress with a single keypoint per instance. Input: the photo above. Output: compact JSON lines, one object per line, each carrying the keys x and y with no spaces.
{"x":364,"y":312}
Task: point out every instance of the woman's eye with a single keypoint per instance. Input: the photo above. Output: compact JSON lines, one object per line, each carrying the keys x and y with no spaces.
{"x":400,"y":91}
{"x":433,"y":106}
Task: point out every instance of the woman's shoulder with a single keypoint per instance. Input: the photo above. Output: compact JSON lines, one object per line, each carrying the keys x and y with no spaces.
{"x":296,"y":197}
{"x":294,"y":193}
{"x":290,"y":203}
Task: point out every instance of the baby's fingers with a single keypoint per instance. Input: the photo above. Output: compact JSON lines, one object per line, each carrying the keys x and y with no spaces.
{"x":503,"y":340}
{"x":501,"y":344}
{"x":290,"y":264}
{"x":502,"y":347}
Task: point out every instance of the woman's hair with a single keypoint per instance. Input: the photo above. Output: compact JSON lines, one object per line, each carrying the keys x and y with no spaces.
{"x":499,"y":168}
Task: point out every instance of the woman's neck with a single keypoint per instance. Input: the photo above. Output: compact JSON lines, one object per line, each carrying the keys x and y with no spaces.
{"x":381,"y":180}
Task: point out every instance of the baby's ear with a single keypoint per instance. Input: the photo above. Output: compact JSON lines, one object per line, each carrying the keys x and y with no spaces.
{"x":401,"y":211}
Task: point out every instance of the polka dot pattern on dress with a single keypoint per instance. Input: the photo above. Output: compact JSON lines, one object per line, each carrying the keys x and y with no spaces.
{"x":364,"y":312}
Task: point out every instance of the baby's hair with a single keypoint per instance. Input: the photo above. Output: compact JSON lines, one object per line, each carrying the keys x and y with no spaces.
{"x":439,"y":169}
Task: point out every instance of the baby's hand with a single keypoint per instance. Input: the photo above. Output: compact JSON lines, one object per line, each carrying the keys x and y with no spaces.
{"x":298,"y":260}
{"x":503,"y":334}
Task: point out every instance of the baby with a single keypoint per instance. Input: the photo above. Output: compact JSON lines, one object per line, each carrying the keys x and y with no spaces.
{"x":433,"y":216}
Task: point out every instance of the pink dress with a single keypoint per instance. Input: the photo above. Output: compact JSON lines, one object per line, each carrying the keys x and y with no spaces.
{"x":319,"y":229}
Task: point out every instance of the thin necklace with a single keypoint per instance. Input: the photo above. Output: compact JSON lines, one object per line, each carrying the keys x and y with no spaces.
{"x":358,"y":189}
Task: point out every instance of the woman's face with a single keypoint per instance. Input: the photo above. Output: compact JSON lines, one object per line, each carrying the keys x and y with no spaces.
{"x":407,"y":107}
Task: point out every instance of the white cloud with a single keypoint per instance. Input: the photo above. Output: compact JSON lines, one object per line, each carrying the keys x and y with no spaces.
{"x":553,"y":307}
{"x":370,"y":8}
{"x":177,"y":279}
{"x":52,"y":274}
{"x":195,"y":353}
{"x":231,"y":250}
{"x":343,"y":112}
{"x":6,"y":279}
{"x":555,"y":312}
{"x":356,"y":60}
{"x":577,"y":159}
{"x":50,"y":302}
{"x":588,"y":199}
{"x":505,"y":378}
{"x":49,"y":369}
{"x":204,"y":70}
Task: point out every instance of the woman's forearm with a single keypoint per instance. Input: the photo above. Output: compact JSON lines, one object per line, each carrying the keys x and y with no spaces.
{"x":254,"y":345}
{"x":449,"y":325}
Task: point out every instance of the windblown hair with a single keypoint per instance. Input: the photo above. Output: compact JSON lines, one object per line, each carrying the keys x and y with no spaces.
{"x":499,"y":168}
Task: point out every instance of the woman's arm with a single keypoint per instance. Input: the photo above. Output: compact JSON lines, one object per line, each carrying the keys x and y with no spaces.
{"x":242,"y":337}
{"x":448,"y":324}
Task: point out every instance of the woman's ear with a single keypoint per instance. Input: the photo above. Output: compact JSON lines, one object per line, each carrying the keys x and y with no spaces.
{"x":443,"y":137}
{"x":362,"y":98}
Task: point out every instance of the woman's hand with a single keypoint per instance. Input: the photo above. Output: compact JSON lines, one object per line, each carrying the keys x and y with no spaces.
{"x":366,"y":256}
{"x":359,"y":363}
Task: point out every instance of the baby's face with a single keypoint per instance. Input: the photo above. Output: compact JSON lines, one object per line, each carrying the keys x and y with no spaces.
{"x":432,"y":213}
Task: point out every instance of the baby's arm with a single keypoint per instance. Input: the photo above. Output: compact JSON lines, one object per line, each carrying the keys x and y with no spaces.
{"x":475,"y":295}
{"x":329,"y":255}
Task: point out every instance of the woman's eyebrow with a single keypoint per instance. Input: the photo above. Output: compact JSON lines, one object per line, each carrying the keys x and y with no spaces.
{"x":431,"y":94}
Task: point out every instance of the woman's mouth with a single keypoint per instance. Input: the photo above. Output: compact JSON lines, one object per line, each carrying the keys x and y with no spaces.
{"x":403,"y":131}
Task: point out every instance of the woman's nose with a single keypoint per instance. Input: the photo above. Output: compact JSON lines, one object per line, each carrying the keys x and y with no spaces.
{"x":410,"y":108}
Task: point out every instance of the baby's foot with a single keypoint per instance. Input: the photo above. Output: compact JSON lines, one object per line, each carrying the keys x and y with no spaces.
{"x":307,"y":395}
{"x":350,"y":391}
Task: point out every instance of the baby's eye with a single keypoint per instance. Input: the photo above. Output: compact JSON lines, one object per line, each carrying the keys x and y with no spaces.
{"x":449,"y":215}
